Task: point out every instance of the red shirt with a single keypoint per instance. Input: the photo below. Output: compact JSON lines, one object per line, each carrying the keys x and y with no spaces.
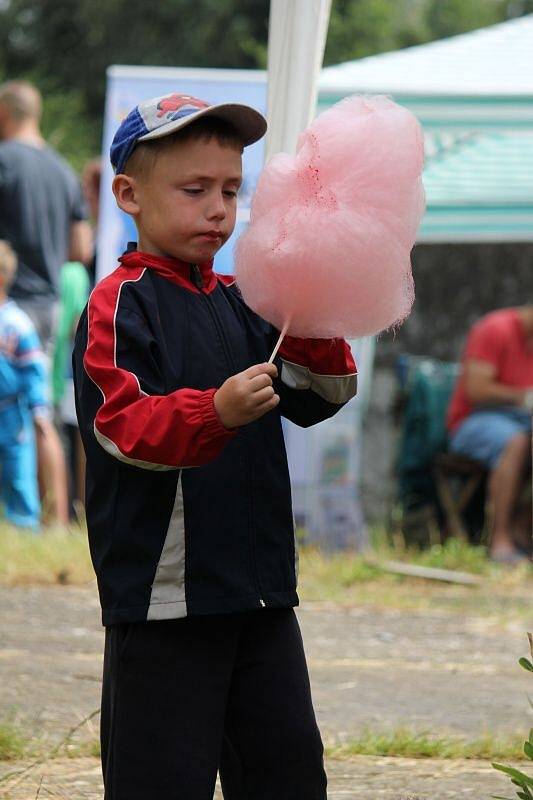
{"x":500,"y":339}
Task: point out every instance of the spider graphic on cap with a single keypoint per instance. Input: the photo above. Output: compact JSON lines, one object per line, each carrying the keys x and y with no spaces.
{"x":174,"y":104}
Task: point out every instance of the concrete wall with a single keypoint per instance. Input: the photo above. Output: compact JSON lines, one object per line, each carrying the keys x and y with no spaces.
{"x":455,"y":285}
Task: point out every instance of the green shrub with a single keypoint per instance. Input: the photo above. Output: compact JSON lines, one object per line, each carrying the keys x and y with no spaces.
{"x":518,"y":778}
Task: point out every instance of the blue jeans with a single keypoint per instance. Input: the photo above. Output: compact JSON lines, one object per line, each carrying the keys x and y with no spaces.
{"x":485,"y":433}
{"x":18,"y":467}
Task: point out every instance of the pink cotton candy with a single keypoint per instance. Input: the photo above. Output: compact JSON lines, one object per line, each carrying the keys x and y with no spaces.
{"x":331,"y":231}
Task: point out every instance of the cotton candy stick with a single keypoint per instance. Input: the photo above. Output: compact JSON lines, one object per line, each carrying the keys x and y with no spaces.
{"x":280,"y":340}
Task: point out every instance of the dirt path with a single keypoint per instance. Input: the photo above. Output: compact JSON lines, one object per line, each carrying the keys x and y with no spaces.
{"x":433,"y":672}
{"x":361,"y":778}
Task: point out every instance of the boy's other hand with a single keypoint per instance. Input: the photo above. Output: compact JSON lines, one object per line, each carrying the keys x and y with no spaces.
{"x":246,"y":396}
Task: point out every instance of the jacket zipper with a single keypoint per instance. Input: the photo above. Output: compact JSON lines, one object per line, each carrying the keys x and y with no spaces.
{"x":198,"y":281}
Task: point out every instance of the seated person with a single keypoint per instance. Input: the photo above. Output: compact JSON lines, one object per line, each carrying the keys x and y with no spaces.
{"x":489,"y":417}
{"x":23,"y":403}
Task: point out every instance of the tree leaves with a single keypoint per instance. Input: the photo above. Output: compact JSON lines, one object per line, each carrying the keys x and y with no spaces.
{"x":65,"y":46}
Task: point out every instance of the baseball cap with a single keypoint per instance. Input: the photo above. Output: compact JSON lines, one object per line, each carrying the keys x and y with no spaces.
{"x":160,"y":116}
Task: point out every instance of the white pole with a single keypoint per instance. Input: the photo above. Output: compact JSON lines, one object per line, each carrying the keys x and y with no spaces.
{"x":296,"y":42}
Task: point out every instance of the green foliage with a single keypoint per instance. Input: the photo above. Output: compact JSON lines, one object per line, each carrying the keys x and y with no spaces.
{"x":54,"y":556}
{"x":454,"y":554}
{"x":65,"y":46}
{"x":406,"y":743}
{"x":12,"y":743}
{"x":68,"y":128}
{"x":448,"y":17}
{"x":361,"y":28}
{"x":519,"y":778}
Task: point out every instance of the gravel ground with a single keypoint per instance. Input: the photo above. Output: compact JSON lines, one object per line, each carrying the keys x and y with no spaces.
{"x":435,"y":672}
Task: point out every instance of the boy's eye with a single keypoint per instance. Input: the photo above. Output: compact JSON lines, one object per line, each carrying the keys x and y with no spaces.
{"x":230,"y":193}
{"x":192,"y":191}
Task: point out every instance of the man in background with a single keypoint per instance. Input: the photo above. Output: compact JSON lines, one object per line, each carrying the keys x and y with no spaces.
{"x":489,"y":417}
{"x":43,"y":217}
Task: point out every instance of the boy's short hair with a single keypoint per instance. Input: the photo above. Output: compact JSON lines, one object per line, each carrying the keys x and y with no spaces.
{"x":8,"y":262}
{"x":143,"y":158}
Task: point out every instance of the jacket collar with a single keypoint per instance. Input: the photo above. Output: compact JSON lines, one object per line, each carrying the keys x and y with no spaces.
{"x":173,"y":269}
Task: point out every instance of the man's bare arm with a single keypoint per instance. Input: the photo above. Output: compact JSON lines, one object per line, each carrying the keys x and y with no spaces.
{"x":482,"y":388}
{"x":81,"y":242}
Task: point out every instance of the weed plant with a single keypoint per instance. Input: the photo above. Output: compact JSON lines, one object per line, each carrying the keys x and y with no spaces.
{"x":518,"y":778}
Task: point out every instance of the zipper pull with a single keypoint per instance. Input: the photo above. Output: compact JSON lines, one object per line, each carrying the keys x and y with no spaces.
{"x":196,"y":276}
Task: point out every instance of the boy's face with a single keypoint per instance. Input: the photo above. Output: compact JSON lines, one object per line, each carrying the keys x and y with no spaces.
{"x":188,"y":203}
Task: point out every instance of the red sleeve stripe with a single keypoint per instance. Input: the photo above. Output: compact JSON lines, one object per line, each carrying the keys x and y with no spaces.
{"x":158,"y":432}
{"x":109,"y":294}
{"x":320,"y":356}
{"x":112,"y":301}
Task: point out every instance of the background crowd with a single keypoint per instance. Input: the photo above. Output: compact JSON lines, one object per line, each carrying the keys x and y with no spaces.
{"x":47,"y":267}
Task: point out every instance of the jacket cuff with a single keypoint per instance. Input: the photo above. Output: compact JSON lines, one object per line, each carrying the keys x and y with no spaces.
{"x":213,"y":425}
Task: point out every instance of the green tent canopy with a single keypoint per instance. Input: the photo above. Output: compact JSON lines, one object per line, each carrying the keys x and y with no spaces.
{"x":473,"y":95}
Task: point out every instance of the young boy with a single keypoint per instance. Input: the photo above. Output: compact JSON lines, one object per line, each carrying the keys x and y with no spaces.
{"x":188,"y":494}
{"x":23,"y":402}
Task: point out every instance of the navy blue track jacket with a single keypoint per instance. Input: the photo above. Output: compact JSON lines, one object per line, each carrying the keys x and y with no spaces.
{"x":186,"y":517}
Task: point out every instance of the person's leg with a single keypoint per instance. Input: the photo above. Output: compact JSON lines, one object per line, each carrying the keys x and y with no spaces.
{"x":52,"y":470}
{"x":500,"y":439}
{"x":19,"y":480}
{"x":272,"y":747}
{"x":505,"y":482}
{"x":163,"y":704}
{"x":80,"y":467}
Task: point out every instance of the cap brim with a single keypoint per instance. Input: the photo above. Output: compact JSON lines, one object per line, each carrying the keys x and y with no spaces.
{"x":249,"y":123}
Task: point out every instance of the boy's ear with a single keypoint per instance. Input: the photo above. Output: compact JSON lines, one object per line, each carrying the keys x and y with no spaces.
{"x":125,"y":191}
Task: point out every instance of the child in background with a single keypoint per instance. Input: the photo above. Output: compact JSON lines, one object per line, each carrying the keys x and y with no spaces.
{"x":23,"y":402}
{"x":73,"y":294}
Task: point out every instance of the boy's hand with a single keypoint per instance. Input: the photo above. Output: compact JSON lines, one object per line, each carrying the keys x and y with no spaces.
{"x":246,"y":396}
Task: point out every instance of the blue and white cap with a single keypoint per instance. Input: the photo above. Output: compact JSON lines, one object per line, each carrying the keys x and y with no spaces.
{"x":160,"y":116}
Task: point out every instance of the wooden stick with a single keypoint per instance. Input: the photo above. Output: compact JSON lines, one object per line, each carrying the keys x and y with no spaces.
{"x":278,"y":343}
{"x":429,"y":573}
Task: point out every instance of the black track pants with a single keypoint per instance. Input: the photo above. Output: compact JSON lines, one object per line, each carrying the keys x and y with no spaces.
{"x":183,"y":698}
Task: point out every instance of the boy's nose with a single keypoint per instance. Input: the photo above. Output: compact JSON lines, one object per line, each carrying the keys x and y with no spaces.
{"x":217,"y":208}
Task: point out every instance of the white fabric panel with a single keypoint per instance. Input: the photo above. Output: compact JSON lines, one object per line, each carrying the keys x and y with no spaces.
{"x":296,"y":41}
{"x":167,"y":599}
{"x":332,"y":388}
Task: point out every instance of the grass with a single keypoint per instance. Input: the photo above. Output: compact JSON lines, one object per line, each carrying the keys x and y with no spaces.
{"x":405,"y":743}
{"x":349,"y":579}
{"x":17,"y":742}
{"x":55,"y":556}
{"x":89,"y":748}
{"x":13,"y":743}
{"x":400,"y":742}
{"x":357,"y":580}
